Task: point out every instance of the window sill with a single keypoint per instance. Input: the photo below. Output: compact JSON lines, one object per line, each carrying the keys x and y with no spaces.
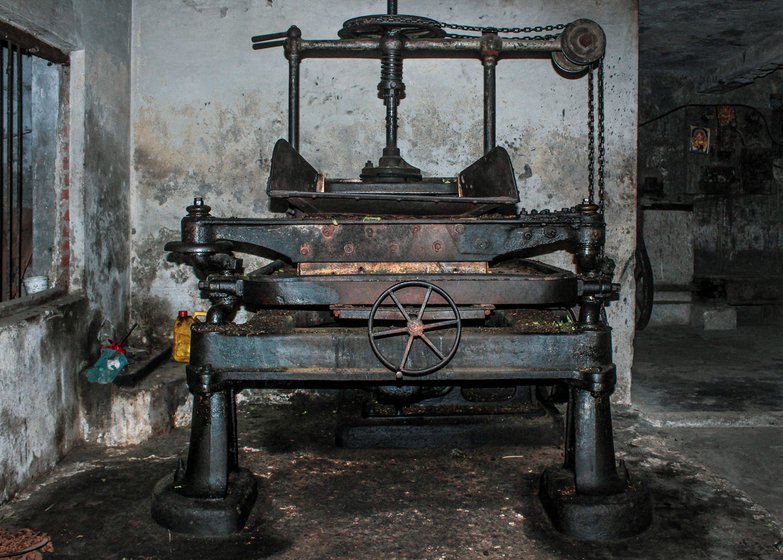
{"x":33,"y":304}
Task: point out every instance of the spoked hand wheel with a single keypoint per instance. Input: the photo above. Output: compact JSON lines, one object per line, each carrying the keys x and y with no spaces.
{"x":396,"y":345}
{"x":373,"y":27}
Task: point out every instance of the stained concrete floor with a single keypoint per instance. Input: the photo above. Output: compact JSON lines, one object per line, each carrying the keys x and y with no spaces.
{"x":718,"y":397}
{"x":318,"y":501}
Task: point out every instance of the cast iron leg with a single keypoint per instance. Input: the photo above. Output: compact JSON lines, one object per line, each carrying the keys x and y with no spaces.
{"x":206,"y":473}
{"x":588,"y":498}
{"x":213,"y":496}
{"x":593,"y":452}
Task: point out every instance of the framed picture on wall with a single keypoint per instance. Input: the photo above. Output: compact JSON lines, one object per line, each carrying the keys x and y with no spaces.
{"x":700,"y":140}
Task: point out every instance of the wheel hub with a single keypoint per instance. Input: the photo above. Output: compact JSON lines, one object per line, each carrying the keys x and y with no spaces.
{"x":416,"y":327}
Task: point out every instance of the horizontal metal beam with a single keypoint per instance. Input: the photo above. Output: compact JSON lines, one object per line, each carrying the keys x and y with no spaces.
{"x":345,"y":355}
{"x":400,"y":240}
{"x":468,"y":47}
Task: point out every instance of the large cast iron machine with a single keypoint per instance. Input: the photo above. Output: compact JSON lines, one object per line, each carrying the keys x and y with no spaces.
{"x":396,"y":281}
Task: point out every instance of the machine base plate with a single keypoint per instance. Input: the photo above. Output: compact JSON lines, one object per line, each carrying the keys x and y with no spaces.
{"x":205,"y":517}
{"x":595,"y":518}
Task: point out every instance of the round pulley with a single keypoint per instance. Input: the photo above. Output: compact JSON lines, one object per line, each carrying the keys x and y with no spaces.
{"x":565,"y":65}
{"x":373,"y":27}
{"x":583,"y":42}
{"x":417,"y":325}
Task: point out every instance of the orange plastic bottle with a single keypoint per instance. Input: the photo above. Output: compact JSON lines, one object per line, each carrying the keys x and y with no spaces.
{"x":180,"y":351}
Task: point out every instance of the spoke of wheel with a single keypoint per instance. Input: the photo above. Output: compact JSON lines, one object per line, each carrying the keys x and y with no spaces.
{"x":407,"y":351}
{"x":434,"y":348}
{"x":399,"y":306}
{"x":390,"y":332}
{"x":440,"y":324}
{"x":424,"y":303}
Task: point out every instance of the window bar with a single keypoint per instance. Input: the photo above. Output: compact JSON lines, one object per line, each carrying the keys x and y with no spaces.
{"x":19,"y":169}
{"x":3,"y":236}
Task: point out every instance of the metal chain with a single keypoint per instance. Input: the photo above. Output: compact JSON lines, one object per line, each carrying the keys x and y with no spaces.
{"x":512,"y":30}
{"x":601,"y":139}
{"x":590,"y":137}
{"x":595,"y":130}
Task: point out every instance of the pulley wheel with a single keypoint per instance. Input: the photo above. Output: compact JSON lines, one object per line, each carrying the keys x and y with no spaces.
{"x":374,"y":27}
{"x":565,"y":65}
{"x":409,"y":335}
{"x":583,"y":42}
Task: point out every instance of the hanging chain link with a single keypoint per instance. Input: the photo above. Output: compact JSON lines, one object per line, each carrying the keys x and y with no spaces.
{"x":590,"y":137}
{"x":511,"y":30}
{"x":595,"y":129}
{"x":601,"y":139}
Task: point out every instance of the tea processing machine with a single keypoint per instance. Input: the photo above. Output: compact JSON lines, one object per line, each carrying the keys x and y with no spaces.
{"x":409,"y":285}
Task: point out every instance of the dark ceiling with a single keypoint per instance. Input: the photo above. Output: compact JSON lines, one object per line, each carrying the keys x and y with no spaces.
{"x":720,"y":43}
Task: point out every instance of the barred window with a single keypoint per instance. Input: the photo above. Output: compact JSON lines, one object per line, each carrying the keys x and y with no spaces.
{"x":32,"y":179}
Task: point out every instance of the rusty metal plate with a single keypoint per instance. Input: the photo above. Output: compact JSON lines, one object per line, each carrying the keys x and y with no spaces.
{"x":320,"y":269}
{"x":486,"y":186}
{"x":515,"y":283}
{"x":475,"y":312}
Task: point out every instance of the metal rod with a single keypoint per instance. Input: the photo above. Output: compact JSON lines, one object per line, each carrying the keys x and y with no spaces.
{"x":293,"y":100}
{"x":422,"y":48}
{"x":3,"y":235}
{"x":269,"y":36}
{"x":10,"y":164}
{"x":391,"y":7}
{"x":489,"y":105}
{"x":268,"y":45}
{"x":391,"y":122}
{"x":20,"y":168}
{"x":233,"y":440}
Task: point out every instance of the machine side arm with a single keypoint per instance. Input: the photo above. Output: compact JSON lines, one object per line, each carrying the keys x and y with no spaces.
{"x":300,"y":241}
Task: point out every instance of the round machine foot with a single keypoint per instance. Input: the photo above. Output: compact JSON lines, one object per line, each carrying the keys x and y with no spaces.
{"x":595,"y":518}
{"x":202,"y":516}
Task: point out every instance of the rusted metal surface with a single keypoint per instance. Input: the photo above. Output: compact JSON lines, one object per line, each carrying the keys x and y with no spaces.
{"x":488,"y":185}
{"x":411,"y":255}
{"x":530,"y":284}
{"x":398,"y":238}
{"x":343,"y":354}
{"x":473,"y":312}
{"x":320,"y":269}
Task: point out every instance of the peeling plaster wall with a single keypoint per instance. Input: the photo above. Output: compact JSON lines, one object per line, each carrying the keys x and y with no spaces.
{"x":39,"y":405}
{"x":207,"y":111}
{"x":43,"y":349}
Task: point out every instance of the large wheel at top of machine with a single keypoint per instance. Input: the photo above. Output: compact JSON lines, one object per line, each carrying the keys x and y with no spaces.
{"x":375,"y":26}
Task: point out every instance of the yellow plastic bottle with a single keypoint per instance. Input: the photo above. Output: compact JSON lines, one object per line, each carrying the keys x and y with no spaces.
{"x":180,"y":351}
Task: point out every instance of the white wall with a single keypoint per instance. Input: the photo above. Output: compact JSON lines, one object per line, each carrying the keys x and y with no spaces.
{"x":44,"y":347}
{"x":206,"y":111}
